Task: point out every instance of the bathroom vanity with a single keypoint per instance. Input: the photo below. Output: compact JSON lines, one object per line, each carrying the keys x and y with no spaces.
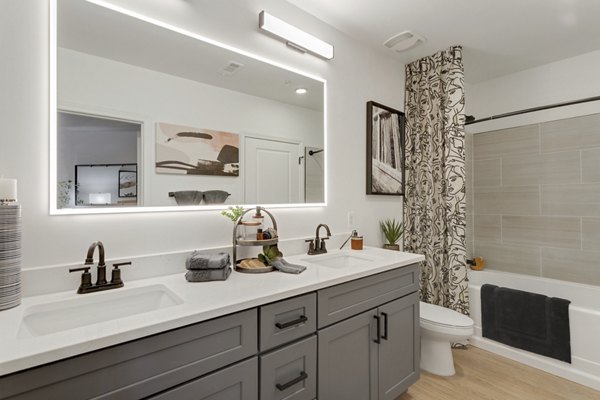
{"x":346,"y":328}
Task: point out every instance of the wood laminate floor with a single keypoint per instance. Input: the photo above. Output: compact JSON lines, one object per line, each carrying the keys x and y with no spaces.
{"x":481,"y":375}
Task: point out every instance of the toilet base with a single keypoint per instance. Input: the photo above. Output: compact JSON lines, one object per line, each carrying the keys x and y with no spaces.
{"x":436,"y":356}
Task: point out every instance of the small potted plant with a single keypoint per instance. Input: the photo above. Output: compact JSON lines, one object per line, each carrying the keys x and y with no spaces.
{"x":234,"y":213}
{"x":392,"y":230}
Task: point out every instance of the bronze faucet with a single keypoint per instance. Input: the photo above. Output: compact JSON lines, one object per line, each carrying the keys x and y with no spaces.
{"x":317,"y":245}
{"x":86,"y":285}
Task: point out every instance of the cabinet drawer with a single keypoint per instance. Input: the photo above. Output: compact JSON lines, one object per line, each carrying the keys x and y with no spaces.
{"x":290,"y":373}
{"x":287,"y":320}
{"x":238,"y":382}
{"x":143,"y":367}
{"x":343,"y":301}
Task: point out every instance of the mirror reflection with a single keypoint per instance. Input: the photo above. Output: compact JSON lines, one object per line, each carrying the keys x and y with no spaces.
{"x":151,"y":117}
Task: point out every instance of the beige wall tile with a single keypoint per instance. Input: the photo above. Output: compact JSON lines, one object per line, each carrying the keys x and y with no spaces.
{"x":521,"y":200}
{"x":590,"y":165}
{"x":571,"y":265}
{"x":488,"y":172}
{"x":513,"y":141}
{"x":562,"y":232}
{"x":590,"y":234}
{"x":488,"y":228}
{"x":550,"y":168}
{"x":510,"y":258}
{"x":571,"y":200}
{"x":571,"y":133}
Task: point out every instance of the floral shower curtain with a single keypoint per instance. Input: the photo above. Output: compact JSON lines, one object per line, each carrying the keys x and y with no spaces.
{"x":435,"y":209}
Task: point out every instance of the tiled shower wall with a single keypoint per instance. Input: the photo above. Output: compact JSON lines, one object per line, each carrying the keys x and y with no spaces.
{"x":536,"y":199}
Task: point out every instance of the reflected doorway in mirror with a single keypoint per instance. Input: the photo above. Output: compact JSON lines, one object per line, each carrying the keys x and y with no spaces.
{"x":196,"y":151}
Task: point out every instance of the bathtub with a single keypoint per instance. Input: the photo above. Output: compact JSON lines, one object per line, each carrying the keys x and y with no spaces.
{"x":584,"y":316}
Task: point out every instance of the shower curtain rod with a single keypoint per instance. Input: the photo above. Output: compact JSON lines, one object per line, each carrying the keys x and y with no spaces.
{"x":528,"y":110}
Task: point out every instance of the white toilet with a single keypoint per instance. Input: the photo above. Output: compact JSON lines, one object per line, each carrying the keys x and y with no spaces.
{"x":440,"y":327}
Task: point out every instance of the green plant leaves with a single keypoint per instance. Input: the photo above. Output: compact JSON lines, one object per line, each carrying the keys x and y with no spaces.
{"x":392,"y":230}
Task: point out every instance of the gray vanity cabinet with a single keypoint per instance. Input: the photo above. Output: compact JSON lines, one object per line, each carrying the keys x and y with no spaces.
{"x":141,"y":368}
{"x":239,"y":382}
{"x":399,"y":349}
{"x":373,"y":355}
{"x":348,"y":359}
{"x":358,"y":340}
{"x":290,"y":373}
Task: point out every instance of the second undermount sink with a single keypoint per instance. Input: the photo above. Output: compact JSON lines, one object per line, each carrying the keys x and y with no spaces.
{"x":339,"y":260}
{"x":89,"y":309}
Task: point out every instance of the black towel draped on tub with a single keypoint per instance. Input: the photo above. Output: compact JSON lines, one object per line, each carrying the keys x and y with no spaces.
{"x":527,"y":321}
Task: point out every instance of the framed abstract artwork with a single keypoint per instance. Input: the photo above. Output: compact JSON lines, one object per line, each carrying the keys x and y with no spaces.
{"x":385,"y":150}
{"x":196,"y":151}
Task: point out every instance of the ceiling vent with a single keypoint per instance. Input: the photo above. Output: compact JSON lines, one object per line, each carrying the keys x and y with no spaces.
{"x":404,"y":41}
{"x":231,"y":68}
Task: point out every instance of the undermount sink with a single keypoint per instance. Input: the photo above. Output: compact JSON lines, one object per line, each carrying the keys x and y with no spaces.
{"x":89,"y":309}
{"x":339,"y":260}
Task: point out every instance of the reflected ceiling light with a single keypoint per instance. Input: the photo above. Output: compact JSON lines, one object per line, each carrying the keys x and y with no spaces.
{"x":294,"y":37}
{"x":301,"y":91}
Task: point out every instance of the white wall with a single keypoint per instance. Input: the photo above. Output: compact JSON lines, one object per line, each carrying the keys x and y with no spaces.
{"x":355,"y":76}
{"x":109,"y":88}
{"x":565,"y":80}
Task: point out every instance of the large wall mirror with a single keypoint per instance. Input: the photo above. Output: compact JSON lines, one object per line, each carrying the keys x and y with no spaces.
{"x":150,"y":118}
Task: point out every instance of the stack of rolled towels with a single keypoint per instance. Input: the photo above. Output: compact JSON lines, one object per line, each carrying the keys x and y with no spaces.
{"x":205,"y":267}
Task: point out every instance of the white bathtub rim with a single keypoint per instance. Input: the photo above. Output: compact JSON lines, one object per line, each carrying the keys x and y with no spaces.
{"x":567,"y":371}
{"x":580,"y":294}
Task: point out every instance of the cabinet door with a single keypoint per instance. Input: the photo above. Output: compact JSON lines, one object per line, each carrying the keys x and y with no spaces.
{"x":290,"y":372}
{"x":399,"y":351}
{"x":348,"y":359}
{"x":238,"y":382}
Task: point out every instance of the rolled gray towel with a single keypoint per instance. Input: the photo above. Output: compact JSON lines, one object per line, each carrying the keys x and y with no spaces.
{"x":199,"y":260}
{"x":188,"y":197}
{"x":208,"y":275}
{"x":284,"y":266}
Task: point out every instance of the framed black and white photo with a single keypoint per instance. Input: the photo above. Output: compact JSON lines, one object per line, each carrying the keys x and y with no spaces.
{"x":385,"y":150}
{"x":127,"y":184}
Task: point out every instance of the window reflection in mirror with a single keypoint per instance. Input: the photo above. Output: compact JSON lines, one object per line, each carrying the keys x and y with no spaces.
{"x":213,"y":126}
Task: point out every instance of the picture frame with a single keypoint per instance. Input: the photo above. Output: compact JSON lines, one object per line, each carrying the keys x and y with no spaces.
{"x":127,"y":184}
{"x":385,"y":150}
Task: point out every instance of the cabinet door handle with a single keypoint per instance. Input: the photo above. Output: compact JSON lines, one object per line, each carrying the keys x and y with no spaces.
{"x":282,"y":386}
{"x":378,"y":322}
{"x":385,"y":326}
{"x":297,"y":321}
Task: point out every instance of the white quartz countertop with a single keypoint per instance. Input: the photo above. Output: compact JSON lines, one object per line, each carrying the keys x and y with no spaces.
{"x":200,"y":302}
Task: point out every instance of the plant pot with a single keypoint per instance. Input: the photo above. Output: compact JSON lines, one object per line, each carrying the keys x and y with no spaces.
{"x":395,"y":247}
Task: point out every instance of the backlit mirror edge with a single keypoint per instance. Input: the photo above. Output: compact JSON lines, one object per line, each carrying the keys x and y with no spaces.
{"x":53,"y":112}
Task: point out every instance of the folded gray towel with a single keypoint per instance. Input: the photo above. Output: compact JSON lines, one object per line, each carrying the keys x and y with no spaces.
{"x":208,"y":275}
{"x":199,"y":260}
{"x":284,"y":266}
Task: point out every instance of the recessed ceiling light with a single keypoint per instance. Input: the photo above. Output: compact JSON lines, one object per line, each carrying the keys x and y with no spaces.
{"x":301,"y":91}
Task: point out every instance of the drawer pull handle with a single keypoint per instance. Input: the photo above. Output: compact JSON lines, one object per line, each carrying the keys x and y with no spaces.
{"x":302,"y":319}
{"x":281,"y":387}
{"x":385,"y":326}
{"x":378,"y":326}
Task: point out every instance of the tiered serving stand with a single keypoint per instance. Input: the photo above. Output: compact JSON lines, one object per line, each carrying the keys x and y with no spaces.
{"x":244,"y":242}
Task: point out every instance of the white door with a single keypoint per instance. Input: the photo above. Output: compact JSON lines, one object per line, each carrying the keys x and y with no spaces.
{"x":272,"y":171}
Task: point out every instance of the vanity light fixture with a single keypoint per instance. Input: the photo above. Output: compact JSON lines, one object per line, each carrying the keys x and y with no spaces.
{"x":301,"y":91}
{"x":294,"y":37}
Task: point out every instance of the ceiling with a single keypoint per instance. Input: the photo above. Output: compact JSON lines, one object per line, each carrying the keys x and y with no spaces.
{"x":87,"y":28}
{"x":499,"y":37}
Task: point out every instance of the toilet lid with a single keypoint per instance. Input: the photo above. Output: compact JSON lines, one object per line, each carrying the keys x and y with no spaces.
{"x":443,"y":316}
